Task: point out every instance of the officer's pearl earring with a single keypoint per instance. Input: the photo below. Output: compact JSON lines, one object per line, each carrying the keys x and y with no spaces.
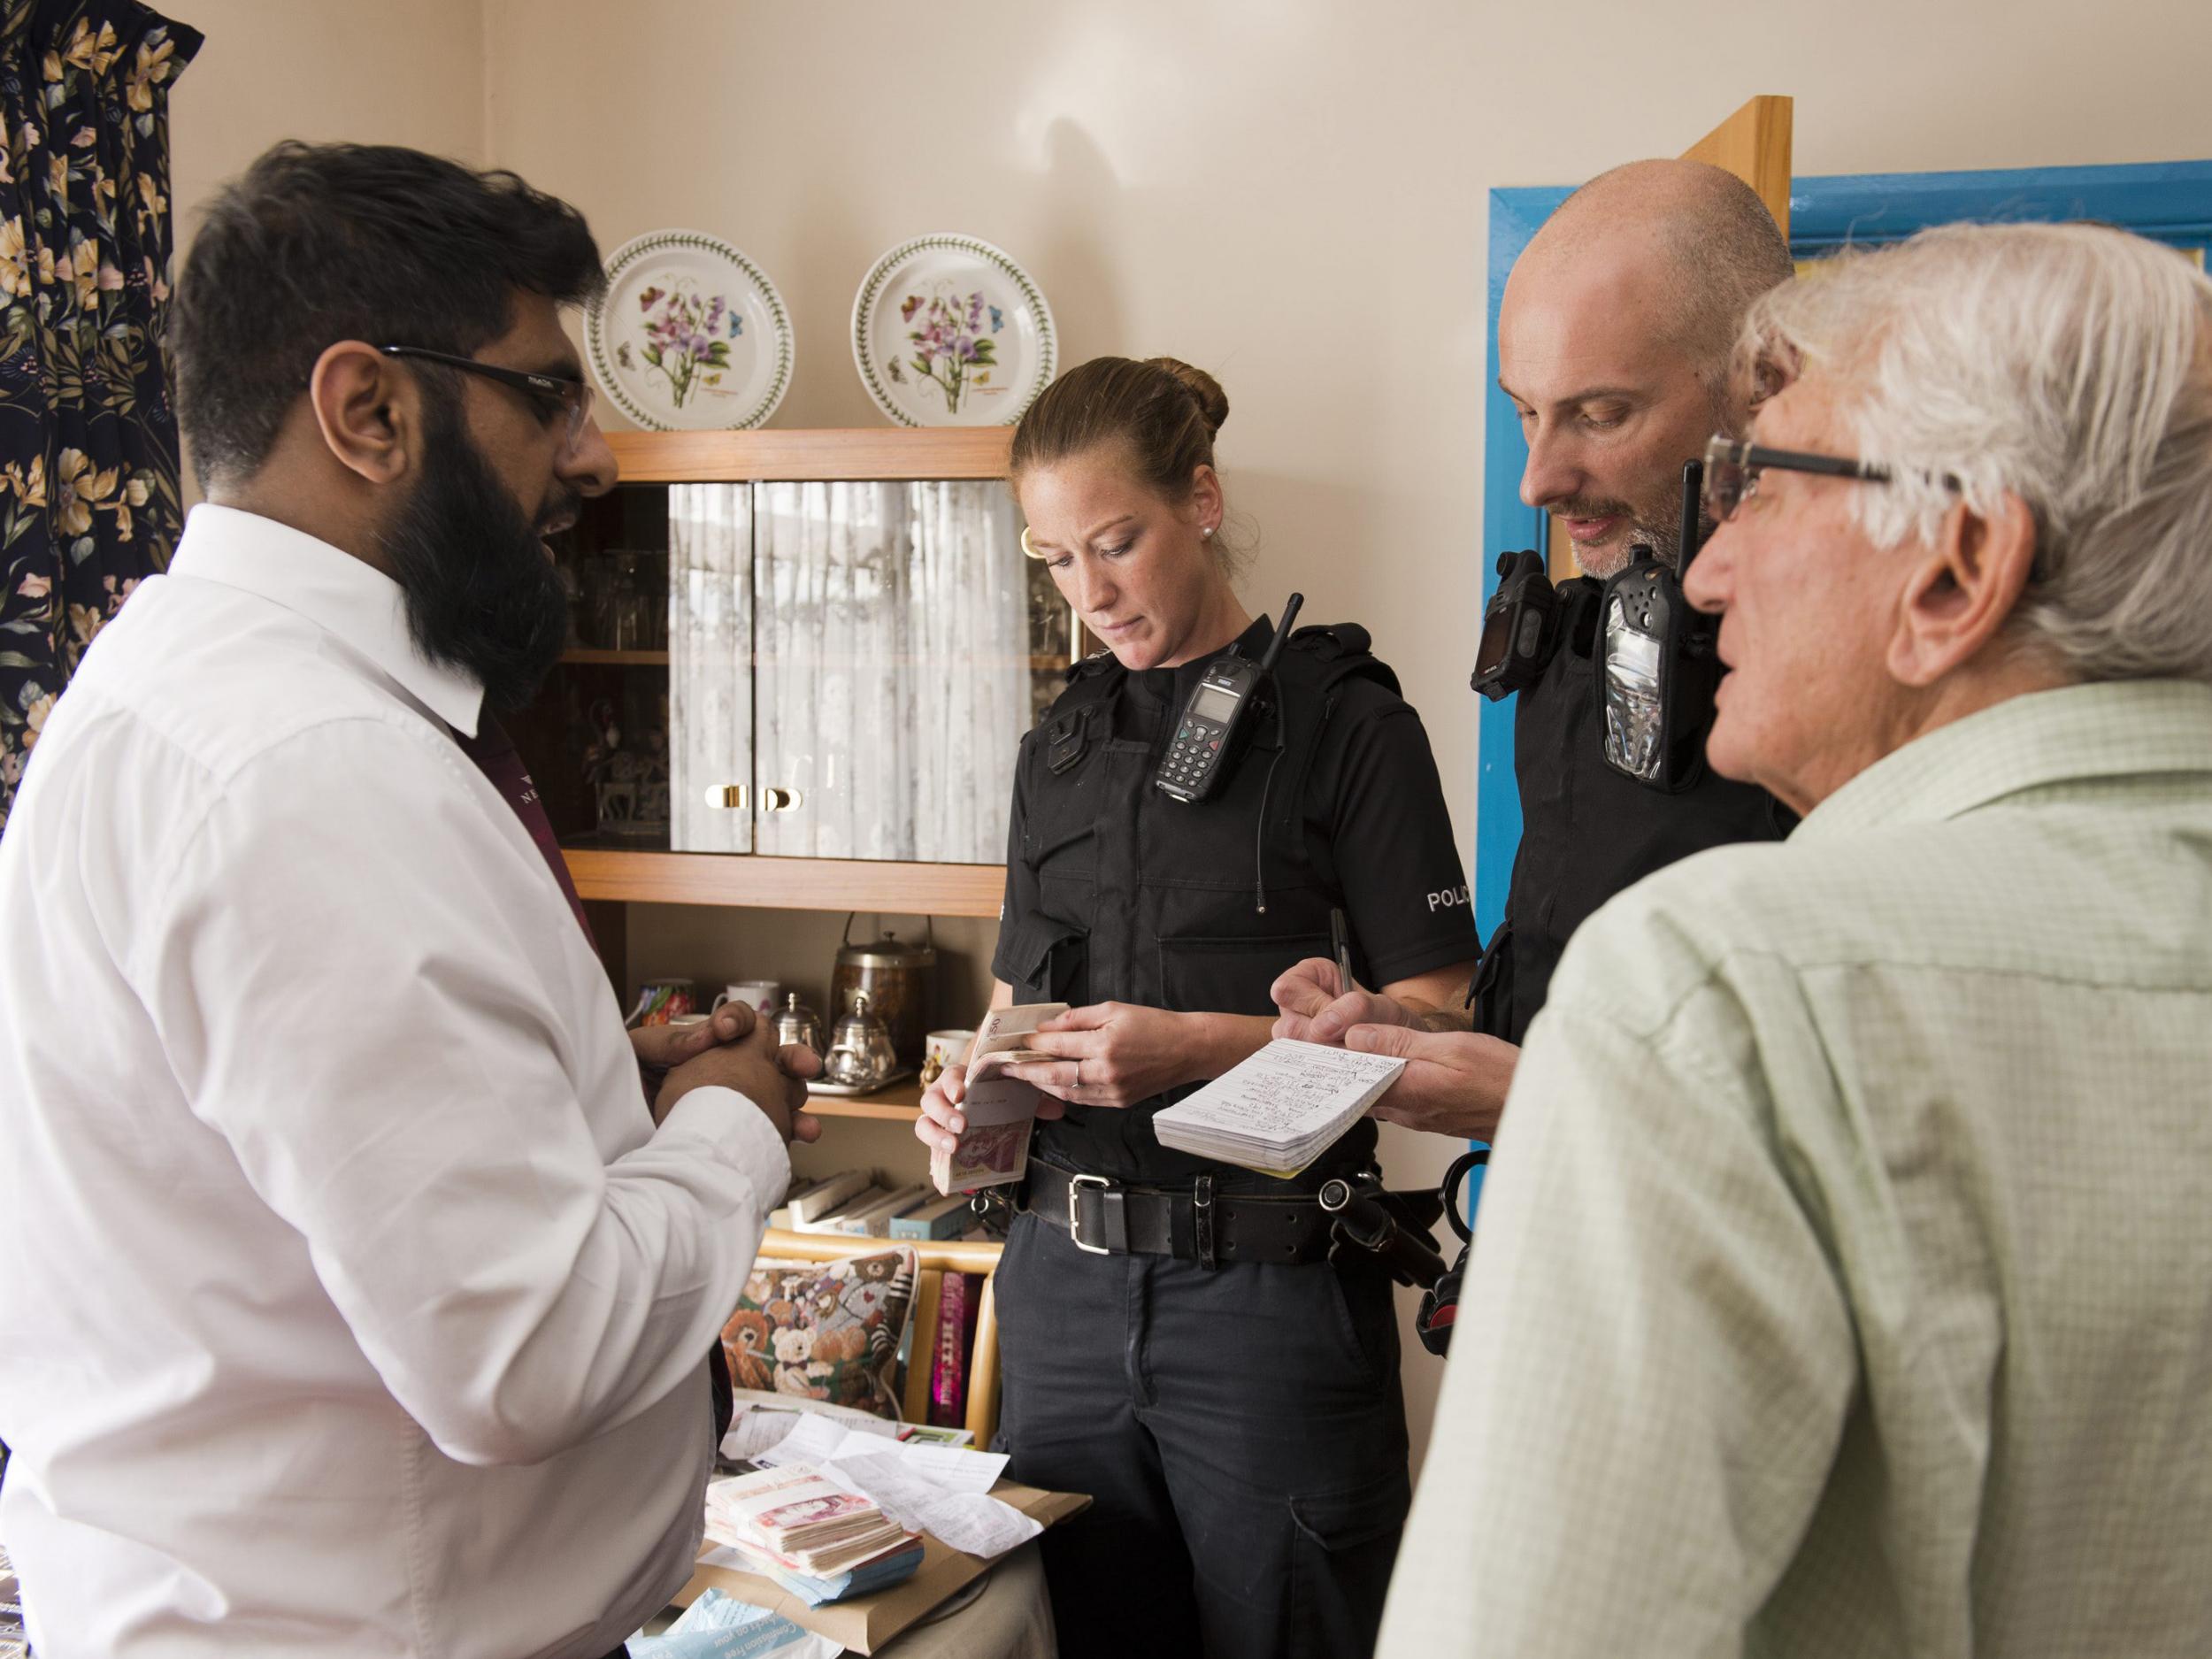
{"x":1206,"y":532}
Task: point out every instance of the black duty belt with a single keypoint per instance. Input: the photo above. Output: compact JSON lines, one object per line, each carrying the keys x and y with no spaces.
{"x":1192,"y":1224}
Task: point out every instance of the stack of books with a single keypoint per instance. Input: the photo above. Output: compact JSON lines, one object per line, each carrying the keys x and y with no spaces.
{"x":865,"y":1203}
{"x":793,"y":1523}
{"x":959,"y":1301}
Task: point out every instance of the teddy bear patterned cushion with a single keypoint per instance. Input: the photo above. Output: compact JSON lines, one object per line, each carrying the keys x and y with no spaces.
{"x":823,"y":1330}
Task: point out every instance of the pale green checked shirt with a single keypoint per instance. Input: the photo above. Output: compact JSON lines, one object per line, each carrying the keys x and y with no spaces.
{"x":1844,"y":1281}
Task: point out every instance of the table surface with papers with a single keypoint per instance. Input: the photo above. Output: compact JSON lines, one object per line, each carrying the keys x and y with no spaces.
{"x":1004,"y":1614}
{"x":973,"y":1523}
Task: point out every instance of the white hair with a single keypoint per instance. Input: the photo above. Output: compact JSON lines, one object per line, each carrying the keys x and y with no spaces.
{"x":2069,"y":365}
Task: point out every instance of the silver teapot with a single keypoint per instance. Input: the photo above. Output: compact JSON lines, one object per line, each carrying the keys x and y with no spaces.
{"x":861,"y":1055}
{"x":797,"y":1025}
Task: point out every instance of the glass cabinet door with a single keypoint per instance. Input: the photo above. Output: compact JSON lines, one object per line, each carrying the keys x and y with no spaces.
{"x":893,"y":669}
{"x":710,"y":668}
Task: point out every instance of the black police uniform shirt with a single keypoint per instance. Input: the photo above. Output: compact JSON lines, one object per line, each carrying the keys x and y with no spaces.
{"x":1117,"y":892}
{"x":1588,"y":831}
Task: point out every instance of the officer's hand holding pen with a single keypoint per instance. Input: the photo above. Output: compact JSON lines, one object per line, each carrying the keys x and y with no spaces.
{"x":1454,"y":1081}
{"x":1313,"y":1011}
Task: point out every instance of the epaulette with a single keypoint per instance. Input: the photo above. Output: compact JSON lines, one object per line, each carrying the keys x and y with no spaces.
{"x":1335,"y":639}
{"x":1343,"y":651}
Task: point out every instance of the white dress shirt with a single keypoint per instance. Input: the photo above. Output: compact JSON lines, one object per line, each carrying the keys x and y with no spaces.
{"x":349,"y":1300}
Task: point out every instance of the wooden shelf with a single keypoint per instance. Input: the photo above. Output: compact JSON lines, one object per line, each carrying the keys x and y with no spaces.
{"x":617,"y":659}
{"x":1038,"y":662}
{"x":854,"y":453}
{"x":786,"y":884}
{"x":902,"y":1102}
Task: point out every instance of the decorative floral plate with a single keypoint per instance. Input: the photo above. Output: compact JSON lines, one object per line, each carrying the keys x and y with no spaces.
{"x":947,"y":331}
{"x":690,"y":336}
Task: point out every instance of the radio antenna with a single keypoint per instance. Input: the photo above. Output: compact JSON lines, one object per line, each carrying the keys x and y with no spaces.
{"x":1282,"y":633}
{"x":1693,"y":514}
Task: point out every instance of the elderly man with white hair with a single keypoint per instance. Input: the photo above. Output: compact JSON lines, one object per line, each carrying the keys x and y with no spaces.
{"x":1844,"y":1280}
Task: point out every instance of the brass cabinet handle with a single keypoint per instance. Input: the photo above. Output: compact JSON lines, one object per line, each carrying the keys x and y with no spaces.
{"x":736,"y":797}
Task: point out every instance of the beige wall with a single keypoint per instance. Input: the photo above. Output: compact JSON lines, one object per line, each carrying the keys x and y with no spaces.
{"x":401,"y":71}
{"x":1290,"y":193}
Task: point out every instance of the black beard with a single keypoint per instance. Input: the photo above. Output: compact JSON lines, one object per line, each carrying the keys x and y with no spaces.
{"x":480,"y":594}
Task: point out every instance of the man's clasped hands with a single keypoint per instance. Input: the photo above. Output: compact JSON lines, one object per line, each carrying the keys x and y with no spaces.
{"x":731,"y":1047}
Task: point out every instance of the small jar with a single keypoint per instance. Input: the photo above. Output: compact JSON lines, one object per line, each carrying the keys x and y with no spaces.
{"x":797,"y":1025}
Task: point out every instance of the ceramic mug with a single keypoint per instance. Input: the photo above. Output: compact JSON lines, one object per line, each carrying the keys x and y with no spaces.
{"x":942,"y":1048}
{"x":948,"y":1047}
{"x":660,"y":1001}
{"x":763,"y":997}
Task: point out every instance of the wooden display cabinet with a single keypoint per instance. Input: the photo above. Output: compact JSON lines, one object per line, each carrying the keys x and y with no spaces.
{"x":633,"y":684}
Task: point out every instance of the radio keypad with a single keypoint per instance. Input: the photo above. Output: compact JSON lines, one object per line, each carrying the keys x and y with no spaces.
{"x":1192,"y":753}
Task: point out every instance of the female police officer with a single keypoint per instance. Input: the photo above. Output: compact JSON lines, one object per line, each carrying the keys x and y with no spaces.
{"x":1176,"y":1342}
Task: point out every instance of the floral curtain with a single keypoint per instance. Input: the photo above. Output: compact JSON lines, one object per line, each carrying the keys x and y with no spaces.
{"x":88,"y":499}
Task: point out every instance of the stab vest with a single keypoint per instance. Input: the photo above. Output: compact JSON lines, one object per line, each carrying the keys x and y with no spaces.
{"x":1191,"y":907}
{"x":1588,"y":832}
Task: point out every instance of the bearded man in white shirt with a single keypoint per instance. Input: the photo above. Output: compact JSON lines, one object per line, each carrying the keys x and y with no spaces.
{"x":354,"y":1296}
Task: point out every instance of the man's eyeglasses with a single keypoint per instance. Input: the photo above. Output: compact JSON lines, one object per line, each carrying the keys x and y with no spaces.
{"x":1733,"y":467}
{"x":556,"y":399}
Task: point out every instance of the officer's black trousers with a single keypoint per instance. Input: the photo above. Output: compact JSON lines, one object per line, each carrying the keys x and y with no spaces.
{"x":1240,"y":1431}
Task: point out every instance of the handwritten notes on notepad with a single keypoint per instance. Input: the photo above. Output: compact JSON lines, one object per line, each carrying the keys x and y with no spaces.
{"x":1280,"y":1109}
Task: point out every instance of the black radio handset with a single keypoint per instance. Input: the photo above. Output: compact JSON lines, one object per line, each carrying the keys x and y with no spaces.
{"x":1657,"y":670}
{"x":1220,"y":713}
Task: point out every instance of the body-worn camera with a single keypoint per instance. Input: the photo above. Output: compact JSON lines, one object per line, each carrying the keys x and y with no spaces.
{"x":1657,"y":667}
{"x":1520,"y":627}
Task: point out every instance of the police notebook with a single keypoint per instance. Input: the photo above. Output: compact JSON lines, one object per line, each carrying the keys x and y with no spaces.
{"x":1000,"y":1111}
{"x":1280,"y":1109}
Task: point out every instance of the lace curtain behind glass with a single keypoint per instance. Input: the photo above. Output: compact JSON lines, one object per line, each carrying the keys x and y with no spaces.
{"x":890,"y":680}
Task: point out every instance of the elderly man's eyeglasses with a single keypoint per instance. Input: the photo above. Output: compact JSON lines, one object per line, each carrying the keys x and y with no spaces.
{"x":1732,"y":469}
{"x":555,"y":398}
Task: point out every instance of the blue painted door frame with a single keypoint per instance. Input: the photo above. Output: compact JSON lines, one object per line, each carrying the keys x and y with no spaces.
{"x":2170,"y":200}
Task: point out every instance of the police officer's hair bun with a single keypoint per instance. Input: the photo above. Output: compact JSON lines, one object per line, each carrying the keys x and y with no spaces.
{"x":1162,"y":413}
{"x":1213,"y":402}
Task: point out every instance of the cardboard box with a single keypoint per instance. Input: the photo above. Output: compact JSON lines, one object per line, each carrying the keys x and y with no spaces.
{"x":867,"y":1622}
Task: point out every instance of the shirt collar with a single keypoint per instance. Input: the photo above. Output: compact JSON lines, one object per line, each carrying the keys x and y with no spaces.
{"x":337,"y":592}
{"x":2112,"y":729}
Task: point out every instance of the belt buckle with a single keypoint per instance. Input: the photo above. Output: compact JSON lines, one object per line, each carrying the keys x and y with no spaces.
{"x":1075,"y":1184}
